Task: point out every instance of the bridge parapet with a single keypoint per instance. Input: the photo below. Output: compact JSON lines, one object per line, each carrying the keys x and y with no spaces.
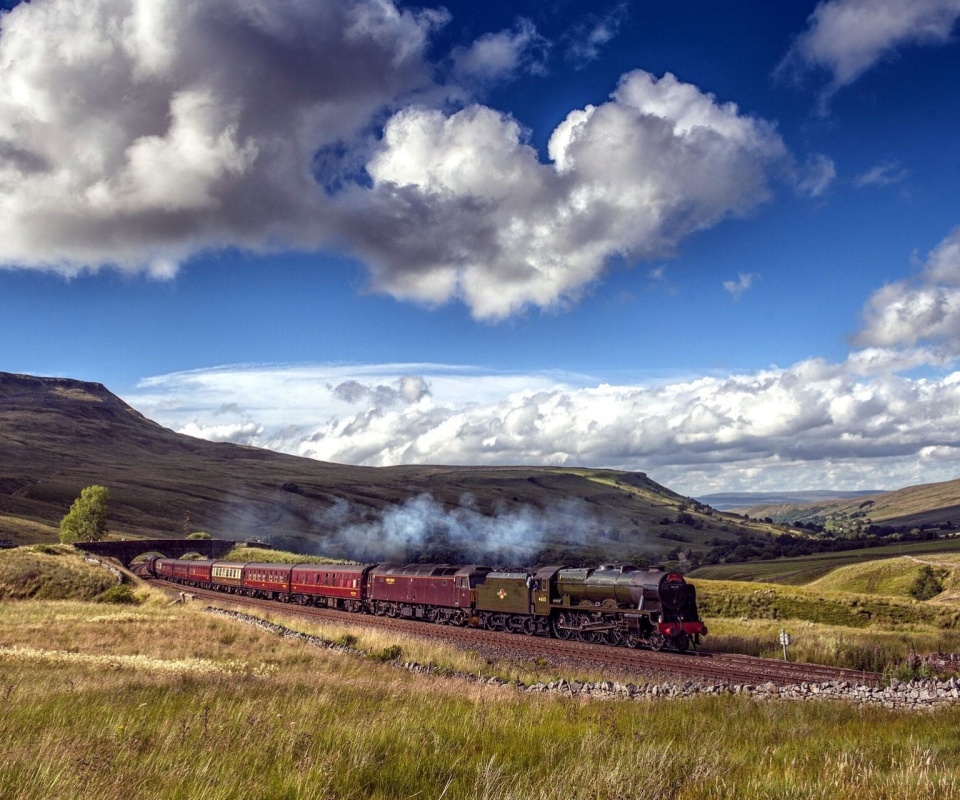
{"x":126,"y":551}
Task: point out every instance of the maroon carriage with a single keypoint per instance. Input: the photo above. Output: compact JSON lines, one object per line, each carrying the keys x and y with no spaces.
{"x":435,"y":592}
{"x":198,"y":572}
{"x":332,"y":585}
{"x":164,"y":568}
{"x":271,"y":581}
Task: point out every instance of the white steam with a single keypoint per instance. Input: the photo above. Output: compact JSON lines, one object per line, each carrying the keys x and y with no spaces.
{"x":424,"y":529}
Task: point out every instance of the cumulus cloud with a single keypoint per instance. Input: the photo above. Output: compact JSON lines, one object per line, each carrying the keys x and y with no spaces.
{"x":921,"y":309}
{"x":850,"y":425}
{"x":848,"y":37}
{"x":462,"y":207}
{"x":502,"y":56}
{"x":137,"y":134}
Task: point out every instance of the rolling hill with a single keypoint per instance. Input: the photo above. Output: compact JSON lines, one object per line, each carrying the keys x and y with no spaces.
{"x":926,"y":506}
{"x":59,"y":435}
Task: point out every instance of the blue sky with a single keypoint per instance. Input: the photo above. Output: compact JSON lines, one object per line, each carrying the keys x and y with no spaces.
{"x":719,"y":243}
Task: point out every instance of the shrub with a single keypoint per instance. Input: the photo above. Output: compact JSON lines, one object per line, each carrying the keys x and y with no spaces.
{"x":391,"y":653}
{"x":121,"y":594}
{"x":927,"y":584}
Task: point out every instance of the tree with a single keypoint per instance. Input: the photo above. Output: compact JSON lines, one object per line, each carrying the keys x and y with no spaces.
{"x":87,"y":519}
{"x":199,"y":535}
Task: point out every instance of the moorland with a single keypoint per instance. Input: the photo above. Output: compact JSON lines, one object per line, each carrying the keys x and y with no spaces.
{"x":130,"y":695}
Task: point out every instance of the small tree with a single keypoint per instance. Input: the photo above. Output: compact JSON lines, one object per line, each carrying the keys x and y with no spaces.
{"x":87,"y":519}
{"x":199,"y":535}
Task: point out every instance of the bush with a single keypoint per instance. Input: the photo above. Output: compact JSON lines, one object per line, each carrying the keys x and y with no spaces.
{"x":121,"y":594}
{"x":391,"y":653}
{"x":927,"y":584}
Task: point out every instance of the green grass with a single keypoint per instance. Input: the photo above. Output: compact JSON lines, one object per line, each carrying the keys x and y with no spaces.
{"x":50,"y":572}
{"x":804,"y":569}
{"x":167,"y":702}
{"x":732,"y":599}
{"x":248,"y":554}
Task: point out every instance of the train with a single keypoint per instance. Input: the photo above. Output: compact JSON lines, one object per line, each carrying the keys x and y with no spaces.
{"x":611,"y":604}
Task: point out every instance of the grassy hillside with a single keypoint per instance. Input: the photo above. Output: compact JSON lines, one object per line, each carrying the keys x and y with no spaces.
{"x":58,"y":436}
{"x":928,"y":506}
{"x":804,"y":569}
{"x":52,"y":573}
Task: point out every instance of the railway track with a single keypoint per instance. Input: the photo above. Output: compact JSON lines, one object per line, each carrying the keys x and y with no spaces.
{"x":718,"y":667}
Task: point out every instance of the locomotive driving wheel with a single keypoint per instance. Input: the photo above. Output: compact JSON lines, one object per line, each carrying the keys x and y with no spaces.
{"x":559,"y":627}
{"x":615,"y":638}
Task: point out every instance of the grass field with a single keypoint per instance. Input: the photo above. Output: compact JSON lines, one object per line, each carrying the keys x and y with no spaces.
{"x":162,"y":701}
{"x":167,"y":702}
{"x":803,"y":569}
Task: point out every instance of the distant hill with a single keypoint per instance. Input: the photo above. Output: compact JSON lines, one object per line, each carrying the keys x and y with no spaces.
{"x":926,"y":506}
{"x":59,"y":435}
{"x":747,"y":502}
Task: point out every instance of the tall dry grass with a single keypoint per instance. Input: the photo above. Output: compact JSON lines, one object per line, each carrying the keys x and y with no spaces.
{"x":165,"y":701}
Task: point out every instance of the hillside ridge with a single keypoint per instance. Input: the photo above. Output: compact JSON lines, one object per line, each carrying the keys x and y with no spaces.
{"x":58,"y":435}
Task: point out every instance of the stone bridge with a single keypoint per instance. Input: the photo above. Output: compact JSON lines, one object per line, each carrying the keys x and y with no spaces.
{"x":125,"y":552}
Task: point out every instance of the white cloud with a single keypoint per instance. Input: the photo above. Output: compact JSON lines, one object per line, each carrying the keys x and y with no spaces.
{"x":885,"y":174}
{"x":738,"y":287}
{"x":586,"y":39}
{"x":462,"y":207}
{"x":816,"y":176}
{"x":135,"y":134}
{"x":502,"y":56}
{"x":925,"y":308}
{"x":848,"y":37}
{"x":808,"y":426}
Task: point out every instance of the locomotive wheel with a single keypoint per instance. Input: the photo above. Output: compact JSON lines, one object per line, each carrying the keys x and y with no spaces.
{"x":529,"y":626}
{"x":589,"y":637}
{"x":657,"y":641}
{"x":632,"y":640}
{"x":562,"y":633}
{"x":681,"y":641}
{"x":615,"y":638}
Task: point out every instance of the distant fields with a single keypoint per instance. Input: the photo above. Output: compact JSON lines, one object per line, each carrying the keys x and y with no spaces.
{"x":804,"y":569}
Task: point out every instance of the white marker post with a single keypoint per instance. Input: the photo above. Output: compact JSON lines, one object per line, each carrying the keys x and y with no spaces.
{"x":785,"y":641}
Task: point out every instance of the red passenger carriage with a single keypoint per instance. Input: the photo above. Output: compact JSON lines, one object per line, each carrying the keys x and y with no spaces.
{"x":332,"y":585}
{"x":271,"y":581}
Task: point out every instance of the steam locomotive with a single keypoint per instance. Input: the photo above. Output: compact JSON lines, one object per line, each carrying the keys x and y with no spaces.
{"x":612,"y":604}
